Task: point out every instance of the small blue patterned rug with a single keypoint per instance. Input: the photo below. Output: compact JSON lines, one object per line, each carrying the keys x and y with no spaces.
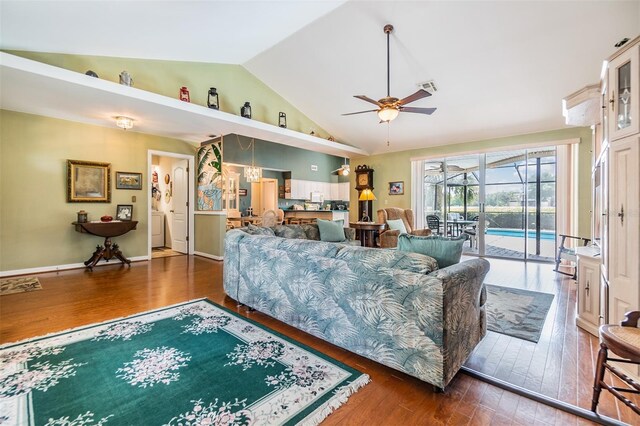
{"x":516,"y":312}
{"x":190,"y":364}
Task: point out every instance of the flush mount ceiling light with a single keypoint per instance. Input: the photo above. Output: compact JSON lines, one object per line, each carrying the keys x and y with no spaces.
{"x":125,"y":123}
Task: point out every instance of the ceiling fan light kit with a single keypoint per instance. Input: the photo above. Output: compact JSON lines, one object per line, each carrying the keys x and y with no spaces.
{"x":389,"y":107}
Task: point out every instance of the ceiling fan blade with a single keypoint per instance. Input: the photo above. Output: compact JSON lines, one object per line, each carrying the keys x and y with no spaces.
{"x":412,"y":98}
{"x":367,"y":99}
{"x":428,"y":111}
{"x":360,"y":112}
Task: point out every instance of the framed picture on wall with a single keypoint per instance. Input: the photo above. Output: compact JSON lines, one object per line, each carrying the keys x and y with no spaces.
{"x":88,"y":182}
{"x":242,"y":192}
{"x":128,"y":180}
{"x":124,"y":212}
{"x":396,"y":188}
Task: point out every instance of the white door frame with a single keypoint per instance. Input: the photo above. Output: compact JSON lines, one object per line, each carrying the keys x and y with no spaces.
{"x":190,"y":195}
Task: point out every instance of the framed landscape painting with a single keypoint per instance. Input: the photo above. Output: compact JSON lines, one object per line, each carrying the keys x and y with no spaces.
{"x":88,"y":182}
{"x":128,"y":180}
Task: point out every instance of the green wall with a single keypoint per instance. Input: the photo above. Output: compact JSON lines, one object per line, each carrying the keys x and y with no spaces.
{"x":234,"y":83}
{"x":35,"y":219}
{"x":210,"y":230}
{"x":396,"y":166}
{"x":276,"y":156}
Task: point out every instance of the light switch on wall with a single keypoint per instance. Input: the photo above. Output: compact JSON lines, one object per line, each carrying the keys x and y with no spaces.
{"x":133,"y":198}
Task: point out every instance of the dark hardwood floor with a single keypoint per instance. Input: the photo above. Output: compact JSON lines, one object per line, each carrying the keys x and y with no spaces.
{"x":560,"y":365}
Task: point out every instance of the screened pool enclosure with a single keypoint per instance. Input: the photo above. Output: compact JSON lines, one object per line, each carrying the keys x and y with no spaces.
{"x":504,"y":201}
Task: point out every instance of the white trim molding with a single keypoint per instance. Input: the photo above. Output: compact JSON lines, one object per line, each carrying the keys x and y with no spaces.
{"x":499,"y":148}
{"x":208,"y":256}
{"x":55,"y":268}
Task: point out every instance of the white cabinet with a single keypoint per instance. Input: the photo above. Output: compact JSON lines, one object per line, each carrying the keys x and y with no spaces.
{"x":588,"y":309}
{"x":342,"y":215}
{"x":298,"y":189}
{"x":343,"y":191}
{"x":157,"y":229}
{"x":624,"y":227}
{"x":623,"y":88}
{"x":334,"y":192}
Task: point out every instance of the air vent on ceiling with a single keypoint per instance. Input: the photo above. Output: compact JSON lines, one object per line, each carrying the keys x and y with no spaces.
{"x":429,"y":86}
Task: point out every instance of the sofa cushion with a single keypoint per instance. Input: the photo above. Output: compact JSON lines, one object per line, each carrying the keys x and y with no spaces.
{"x":311,"y":231}
{"x":290,"y":231}
{"x":372,"y":259}
{"x":446,"y":251}
{"x":397,"y":224}
{"x":258,"y":230}
{"x":331,"y":231}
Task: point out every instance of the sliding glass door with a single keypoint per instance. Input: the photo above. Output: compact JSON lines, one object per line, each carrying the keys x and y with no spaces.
{"x":503,"y":201}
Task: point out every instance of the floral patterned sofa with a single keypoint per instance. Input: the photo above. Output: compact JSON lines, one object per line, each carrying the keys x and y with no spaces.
{"x":393,"y":307}
{"x":308,"y":231}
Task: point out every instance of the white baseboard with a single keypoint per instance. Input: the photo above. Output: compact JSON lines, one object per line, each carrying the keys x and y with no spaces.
{"x":54,"y":268}
{"x":208,"y":256}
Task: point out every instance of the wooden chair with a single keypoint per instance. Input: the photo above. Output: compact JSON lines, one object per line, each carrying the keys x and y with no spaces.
{"x":269,"y":218}
{"x":568,"y":253}
{"x":624,"y":341}
{"x":280,"y":214}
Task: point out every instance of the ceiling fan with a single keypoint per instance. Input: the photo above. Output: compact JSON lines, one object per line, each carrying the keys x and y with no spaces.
{"x":389,"y":107}
{"x":439,"y":169}
{"x":344,"y":170}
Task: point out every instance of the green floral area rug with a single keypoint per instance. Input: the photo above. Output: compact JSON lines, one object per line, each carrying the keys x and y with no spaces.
{"x":516,"y":312}
{"x":19,"y":285}
{"x":191,"y":364}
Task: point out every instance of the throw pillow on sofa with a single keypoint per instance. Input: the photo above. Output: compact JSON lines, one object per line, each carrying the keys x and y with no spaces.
{"x":446,"y":251}
{"x":397,"y":224}
{"x":331,"y":231}
{"x":290,"y":231}
{"x":258,"y":230}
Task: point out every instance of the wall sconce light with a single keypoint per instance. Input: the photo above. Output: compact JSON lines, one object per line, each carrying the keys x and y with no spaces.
{"x":282,"y":120}
{"x":125,"y":123}
{"x":245,"y":111}
{"x":212,"y":99}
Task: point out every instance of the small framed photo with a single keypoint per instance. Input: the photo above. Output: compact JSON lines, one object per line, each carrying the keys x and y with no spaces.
{"x":396,"y":188}
{"x":128,"y":180}
{"x":88,"y":181}
{"x":124,"y":212}
{"x":242,"y":192}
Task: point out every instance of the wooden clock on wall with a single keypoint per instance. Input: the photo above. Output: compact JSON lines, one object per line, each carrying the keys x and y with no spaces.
{"x":364,"y":177}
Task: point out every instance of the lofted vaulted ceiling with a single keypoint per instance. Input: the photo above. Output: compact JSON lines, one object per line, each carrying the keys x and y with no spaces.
{"x":501,"y":68}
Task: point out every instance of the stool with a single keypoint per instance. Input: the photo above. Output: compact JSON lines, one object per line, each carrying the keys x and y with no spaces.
{"x":294,"y":221}
{"x":624,"y":341}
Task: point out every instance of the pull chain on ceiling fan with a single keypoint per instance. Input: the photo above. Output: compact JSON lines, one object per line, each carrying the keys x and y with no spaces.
{"x":389,"y":107}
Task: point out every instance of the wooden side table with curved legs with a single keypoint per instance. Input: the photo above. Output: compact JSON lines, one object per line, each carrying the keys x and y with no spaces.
{"x":107,"y":230}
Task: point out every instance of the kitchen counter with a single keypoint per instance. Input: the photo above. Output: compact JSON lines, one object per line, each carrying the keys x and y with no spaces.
{"x":319,"y":214}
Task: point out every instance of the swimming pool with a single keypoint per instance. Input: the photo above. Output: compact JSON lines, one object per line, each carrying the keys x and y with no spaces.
{"x":544,"y":235}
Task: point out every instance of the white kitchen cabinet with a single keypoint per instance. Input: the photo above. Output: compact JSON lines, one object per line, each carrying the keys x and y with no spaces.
{"x":588,"y":309}
{"x":157,"y":229}
{"x":343,"y":191}
{"x":334,"y":193}
{"x":342,"y":215}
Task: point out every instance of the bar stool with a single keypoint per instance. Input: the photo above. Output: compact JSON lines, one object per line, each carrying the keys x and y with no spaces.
{"x":294,"y":221}
{"x":624,"y":341}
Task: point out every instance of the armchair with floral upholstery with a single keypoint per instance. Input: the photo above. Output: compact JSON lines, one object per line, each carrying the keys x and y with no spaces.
{"x":389,"y":237}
